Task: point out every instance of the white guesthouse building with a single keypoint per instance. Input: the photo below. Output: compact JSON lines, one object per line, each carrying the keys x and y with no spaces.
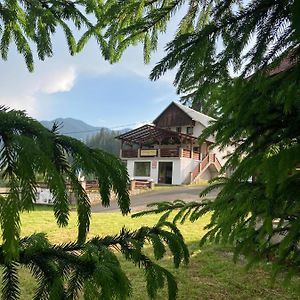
{"x":168,"y":151}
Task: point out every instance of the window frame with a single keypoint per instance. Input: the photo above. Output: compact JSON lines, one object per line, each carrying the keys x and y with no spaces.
{"x":189,"y":128}
{"x":147,"y":169}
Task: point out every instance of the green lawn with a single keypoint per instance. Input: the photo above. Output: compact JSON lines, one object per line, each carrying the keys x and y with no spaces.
{"x":211,"y":273}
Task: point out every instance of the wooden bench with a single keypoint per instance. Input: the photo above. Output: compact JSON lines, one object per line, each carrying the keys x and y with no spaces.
{"x":136,"y":184}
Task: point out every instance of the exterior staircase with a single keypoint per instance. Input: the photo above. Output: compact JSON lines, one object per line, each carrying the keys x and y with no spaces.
{"x":210,"y":161}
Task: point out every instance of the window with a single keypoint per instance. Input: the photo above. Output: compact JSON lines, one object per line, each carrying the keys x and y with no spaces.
{"x":142,"y":168}
{"x":189,"y":130}
{"x":178,"y":129}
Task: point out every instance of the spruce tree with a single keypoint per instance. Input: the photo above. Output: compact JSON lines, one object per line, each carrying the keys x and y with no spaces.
{"x":238,"y":60}
{"x":105,"y":140}
{"x":29,"y":151}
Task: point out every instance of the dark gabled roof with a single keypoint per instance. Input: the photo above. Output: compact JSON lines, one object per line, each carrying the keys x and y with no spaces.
{"x":150,"y":132}
{"x":193,"y":114}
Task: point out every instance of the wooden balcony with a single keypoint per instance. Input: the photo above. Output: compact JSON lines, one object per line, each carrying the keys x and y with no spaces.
{"x":163,"y":152}
{"x":169,"y":152}
{"x":186,"y":153}
{"x":129,"y":153}
{"x":196,"y":155}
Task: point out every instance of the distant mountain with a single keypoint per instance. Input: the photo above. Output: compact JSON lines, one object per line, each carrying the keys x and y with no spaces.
{"x":95,"y":137}
{"x":73,"y":127}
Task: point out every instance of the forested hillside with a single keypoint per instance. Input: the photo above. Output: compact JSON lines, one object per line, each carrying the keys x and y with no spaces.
{"x":95,"y":137}
{"x":105,"y":140}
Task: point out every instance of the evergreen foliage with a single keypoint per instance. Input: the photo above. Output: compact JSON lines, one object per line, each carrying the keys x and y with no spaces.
{"x":63,"y":271}
{"x":28,"y":23}
{"x":238,"y":60}
{"x":258,"y":207}
{"x":29,"y":151}
{"x":105,"y":140}
{"x":257,"y":41}
{"x":214,"y":39}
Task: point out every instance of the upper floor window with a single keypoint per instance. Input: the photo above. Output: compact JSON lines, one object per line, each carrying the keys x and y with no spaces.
{"x":178,"y":129}
{"x":189,"y":130}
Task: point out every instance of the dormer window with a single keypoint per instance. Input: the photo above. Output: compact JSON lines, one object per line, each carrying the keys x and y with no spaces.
{"x":189,"y":130}
{"x":178,"y":129}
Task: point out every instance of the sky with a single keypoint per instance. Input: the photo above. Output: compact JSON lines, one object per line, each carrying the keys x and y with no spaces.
{"x":86,"y":87}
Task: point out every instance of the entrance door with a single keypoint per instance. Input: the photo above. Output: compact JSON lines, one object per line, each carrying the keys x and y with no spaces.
{"x":165,"y":170}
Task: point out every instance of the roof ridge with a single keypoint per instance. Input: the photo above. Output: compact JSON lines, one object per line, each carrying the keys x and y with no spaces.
{"x":191,"y":109}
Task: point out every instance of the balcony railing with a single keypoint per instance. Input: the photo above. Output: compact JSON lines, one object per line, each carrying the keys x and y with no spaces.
{"x":208,"y":159}
{"x":169,"y":152}
{"x":196,"y":155}
{"x":163,"y":152}
{"x":186,"y":153}
{"x":128,"y":153}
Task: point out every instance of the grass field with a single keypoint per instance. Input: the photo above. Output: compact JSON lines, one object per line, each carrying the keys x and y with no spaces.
{"x":211,"y":273}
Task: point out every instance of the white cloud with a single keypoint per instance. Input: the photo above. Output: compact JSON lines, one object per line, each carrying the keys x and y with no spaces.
{"x":58,"y":80}
{"x":22,"y":90}
{"x":26,"y":103}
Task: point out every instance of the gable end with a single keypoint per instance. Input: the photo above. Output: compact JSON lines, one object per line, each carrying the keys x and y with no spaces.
{"x":173,"y":116}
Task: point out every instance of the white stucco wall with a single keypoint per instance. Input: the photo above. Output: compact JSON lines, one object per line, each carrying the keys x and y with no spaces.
{"x":176,"y":177}
{"x":221,"y":154}
{"x":198,"y":128}
{"x":187,"y":165}
{"x":180,"y":173}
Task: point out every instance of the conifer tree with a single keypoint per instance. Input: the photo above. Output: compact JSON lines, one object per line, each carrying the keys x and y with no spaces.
{"x":29,"y":151}
{"x":105,"y":140}
{"x":238,"y":60}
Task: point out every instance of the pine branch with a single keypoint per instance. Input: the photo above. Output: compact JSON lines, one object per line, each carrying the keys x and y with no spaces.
{"x":93,"y":267}
{"x":10,"y":282}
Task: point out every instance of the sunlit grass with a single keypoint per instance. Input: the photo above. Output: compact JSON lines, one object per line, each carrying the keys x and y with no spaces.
{"x":211,"y":273}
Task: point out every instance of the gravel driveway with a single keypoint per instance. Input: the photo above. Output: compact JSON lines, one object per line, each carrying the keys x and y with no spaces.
{"x":139,"y":202}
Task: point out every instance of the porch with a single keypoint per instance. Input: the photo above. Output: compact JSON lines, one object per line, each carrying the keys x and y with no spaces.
{"x":151,"y":141}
